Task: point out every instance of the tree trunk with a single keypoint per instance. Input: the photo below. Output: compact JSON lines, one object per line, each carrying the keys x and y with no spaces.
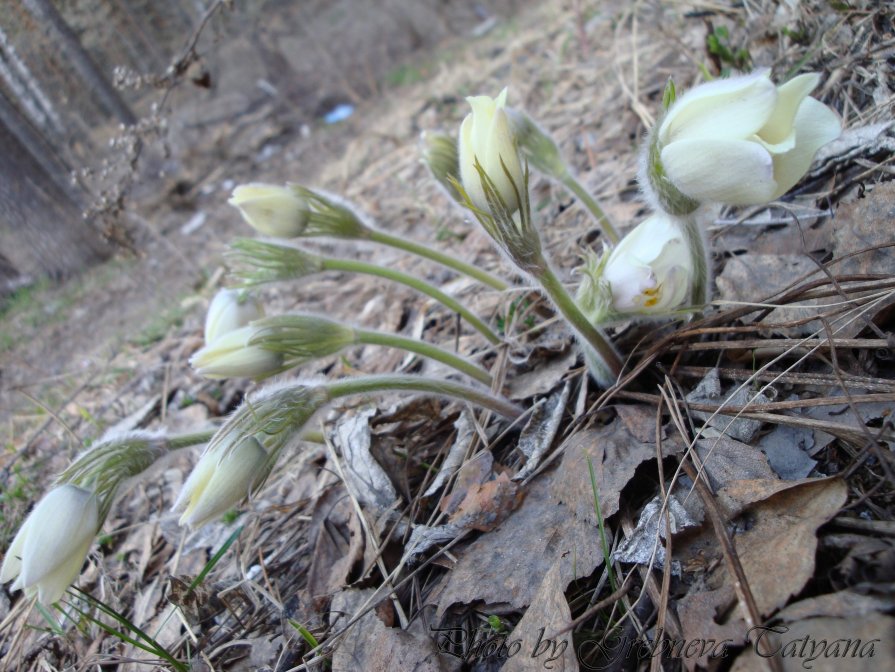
{"x":28,"y":91}
{"x":99,"y":85}
{"x":41,"y":228}
{"x":42,"y":148}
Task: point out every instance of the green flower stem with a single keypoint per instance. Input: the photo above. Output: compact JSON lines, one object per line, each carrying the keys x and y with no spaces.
{"x":187,"y":440}
{"x":699,"y":293}
{"x":438,"y":257}
{"x":579,"y":323}
{"x":414,"y":283}
{"x":426,"y":350}
{"x":442,"y":388}
{"x":591,"y":204}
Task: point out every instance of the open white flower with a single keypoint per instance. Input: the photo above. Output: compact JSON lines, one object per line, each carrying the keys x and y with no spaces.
{"x":46,"y":554}
{"x":220,"y":480}
{"x":739,"y":141}
{"x":650,"y":270}
{"x":231,"y":356}
{"x":486,"y":137}
{"x":271,"y":209}
{"x":229,"y":310}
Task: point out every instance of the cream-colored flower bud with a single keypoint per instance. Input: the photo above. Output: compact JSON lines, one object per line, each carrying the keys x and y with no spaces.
{"x":650,"y":270}
{"x":486,"y":139}
{"x":49,"y":549}
{"x":231,"y":356}
{"x":229,"y":310}
{"x":221,"y":480}
{"x":271,"y":209}
{"x":739,"y":141}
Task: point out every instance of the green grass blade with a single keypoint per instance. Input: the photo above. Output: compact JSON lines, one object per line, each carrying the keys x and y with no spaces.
{"x":216,"y":558}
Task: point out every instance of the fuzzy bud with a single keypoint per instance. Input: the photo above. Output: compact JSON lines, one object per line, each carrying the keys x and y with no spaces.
{"x":441,"y":158}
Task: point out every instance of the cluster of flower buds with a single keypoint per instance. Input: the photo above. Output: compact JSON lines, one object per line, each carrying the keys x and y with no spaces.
{"x":736,"y":141}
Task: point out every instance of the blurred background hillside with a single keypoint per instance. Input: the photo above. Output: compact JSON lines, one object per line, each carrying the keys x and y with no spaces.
{"x":74,"y":73}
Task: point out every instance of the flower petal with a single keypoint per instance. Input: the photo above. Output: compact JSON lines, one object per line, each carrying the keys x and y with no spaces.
{"x":815,"y":125}
{"x":12,"y":561}
{"x":233,"y":476}
{"x":227,"y":312}
{"x":65,"y":519}
{"x":736,"y":172}
{"x":469,"y":176}
{"x":732,"y":108}
{"x":52,"y":587}
{"x":191,"y":491}
{"x":779,"y":126}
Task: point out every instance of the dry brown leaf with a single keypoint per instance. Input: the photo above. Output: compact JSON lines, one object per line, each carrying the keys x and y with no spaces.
{"x":367,"y":479}
{"x":777,"y":552}
{"x":701,"y":615}
{"x":865,"y":223}
{"x":371,"y":645}
{"x":726,"y":460}
{"x":841,"y":604}
{"x":543,"y":378}
{"x":751,"y":277}
{"x":827,"y":645}
{"x":465,"y":427}
{"x":339,"y":545}
{"x":540,"y":431}
{"x":487,"y":505}
{"x":540,"y":649}
{"x":472,"y":474}
{"x":556,"y":520}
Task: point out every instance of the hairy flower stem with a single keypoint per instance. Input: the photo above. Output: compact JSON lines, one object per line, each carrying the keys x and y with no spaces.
{"x":442,"y":388}
{"x":580,"y":324}
{"x":426,"y":350}
{"x":187,"y":440}
{"x":351,"y":266}
{"x":699,"y":291}
{"x":438,"y":257}
{"x":573,"y":185}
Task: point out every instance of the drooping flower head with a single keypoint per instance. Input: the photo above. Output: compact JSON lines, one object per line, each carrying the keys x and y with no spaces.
{"x":221,"y":480}
{"x":229,"y":310}
{"x":231,"y":356}
{"x":46,"y":554}
{"x":271,"y":209}
{"x":738,"y":141}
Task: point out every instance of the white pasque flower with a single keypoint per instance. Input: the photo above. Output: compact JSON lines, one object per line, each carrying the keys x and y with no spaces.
{"x":229,"y":310}
{"x":742,"y":140}
{"x":220,"y":480}
{"x":271,"y":209}
{"x":486,"y":136}
{"x":46,"y":554}
{"x":231,"y":356}
{"x":651,"y":268}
